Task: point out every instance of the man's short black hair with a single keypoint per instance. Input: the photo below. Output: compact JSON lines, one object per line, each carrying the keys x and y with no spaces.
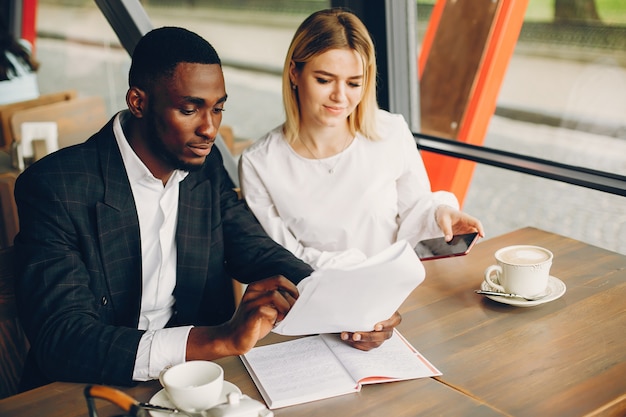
{"x":159,"y":51}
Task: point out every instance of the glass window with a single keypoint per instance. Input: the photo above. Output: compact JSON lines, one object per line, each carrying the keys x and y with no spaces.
{"x":563,"y":99}
{"x":78,"y":50}
{"x":566,"y":80}
{"x":568,"y":77}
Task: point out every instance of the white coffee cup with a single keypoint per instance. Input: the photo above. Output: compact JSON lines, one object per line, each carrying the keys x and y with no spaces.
{"x":193,"y":386}
{"x":520,"y":269}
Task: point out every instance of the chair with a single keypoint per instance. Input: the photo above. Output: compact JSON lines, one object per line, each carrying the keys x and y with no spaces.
{"x":77,"y":119}
{"x":13,"y":343}
{"x":9,"y":224}
{"x":7,"y":111}
{"x":235,"y":146}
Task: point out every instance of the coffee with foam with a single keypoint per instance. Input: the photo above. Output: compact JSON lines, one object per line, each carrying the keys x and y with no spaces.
{"x":524,"y":256}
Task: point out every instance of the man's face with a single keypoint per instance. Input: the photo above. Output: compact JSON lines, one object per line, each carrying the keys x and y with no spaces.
{"x":184,"y":115}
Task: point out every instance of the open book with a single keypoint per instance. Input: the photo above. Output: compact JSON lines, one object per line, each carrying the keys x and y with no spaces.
{"x":323,"y":366}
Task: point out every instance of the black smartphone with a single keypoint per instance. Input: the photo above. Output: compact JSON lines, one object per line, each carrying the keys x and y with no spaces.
{"x":438,"y":247}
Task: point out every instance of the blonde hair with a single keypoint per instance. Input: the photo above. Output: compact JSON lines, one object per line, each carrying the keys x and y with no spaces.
{"x":322,"y":31}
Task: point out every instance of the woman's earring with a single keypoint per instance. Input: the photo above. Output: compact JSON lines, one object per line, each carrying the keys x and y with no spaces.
{"x":294,"y":87}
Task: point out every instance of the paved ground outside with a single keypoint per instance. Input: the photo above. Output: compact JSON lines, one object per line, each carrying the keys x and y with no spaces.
{"x":592,"y":92}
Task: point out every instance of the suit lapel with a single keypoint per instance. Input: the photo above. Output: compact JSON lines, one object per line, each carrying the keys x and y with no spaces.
{"x":118,"y":231}
{"x":193,"y":239}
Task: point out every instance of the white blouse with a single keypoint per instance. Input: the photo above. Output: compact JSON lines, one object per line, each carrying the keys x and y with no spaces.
{"x":338,"y":211}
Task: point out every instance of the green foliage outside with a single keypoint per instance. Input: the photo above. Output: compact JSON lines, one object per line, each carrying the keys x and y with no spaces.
{"x":612,"y":12}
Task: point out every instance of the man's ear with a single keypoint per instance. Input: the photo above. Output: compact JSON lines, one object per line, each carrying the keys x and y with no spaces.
{"x":136,"y":100}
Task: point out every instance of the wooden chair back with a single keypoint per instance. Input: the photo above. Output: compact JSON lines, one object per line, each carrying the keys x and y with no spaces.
{"x":77,"y":119}
{"x":9,"y":224}
{"x":7,"y":111}
{"x":13,"y":343}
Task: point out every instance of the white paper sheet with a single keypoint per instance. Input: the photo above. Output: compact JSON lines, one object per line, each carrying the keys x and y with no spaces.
{"x":355,"y":298}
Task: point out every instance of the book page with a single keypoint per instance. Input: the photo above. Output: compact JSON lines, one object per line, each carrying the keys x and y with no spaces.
{"x":380,"y":284}
{"x":394,"y":360}
{"x":297,"y":371}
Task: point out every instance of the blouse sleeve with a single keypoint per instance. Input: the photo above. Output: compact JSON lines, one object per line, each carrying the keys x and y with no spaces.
{"x":416,"y":202}
{"x":260,"y":203}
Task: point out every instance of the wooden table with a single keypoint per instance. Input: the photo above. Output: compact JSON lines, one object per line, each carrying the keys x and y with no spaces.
{"x":425,"y":397}
{"x":563,"y":358}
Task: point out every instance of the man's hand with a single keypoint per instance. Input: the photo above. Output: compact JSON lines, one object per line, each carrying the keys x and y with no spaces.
{"x":454,"y":222}
{"x":371,"y":340}
{"x":263,"y":304}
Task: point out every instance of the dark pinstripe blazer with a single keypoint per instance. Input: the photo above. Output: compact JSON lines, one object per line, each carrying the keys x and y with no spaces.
{"x":79,"y":260}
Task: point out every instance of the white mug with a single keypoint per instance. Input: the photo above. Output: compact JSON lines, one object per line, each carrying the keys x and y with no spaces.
{"x":193,"y":386}
{"x":520,"y":269}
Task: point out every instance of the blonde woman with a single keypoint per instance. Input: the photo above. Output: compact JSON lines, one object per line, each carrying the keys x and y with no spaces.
{"x":341,"y":180}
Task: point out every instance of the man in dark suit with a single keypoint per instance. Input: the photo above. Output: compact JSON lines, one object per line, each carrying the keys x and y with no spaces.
{"x":128,"y":241}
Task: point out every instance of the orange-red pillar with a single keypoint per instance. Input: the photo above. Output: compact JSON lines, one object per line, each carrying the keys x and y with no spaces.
{"x":463,"y":60}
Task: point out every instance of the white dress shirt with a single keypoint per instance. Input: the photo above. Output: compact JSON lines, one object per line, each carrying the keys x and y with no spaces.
{"x":157,"y":210}
{"x":378,"y":193}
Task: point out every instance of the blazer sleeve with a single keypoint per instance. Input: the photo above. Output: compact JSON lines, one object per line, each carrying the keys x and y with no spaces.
{"x":250,"y":253}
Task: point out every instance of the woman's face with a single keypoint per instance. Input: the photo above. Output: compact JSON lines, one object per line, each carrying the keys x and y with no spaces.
{"x":330,"y":86}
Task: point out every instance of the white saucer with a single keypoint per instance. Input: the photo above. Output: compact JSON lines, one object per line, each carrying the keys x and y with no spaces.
{"x":556,"y":288}
{"x":161,"y":398}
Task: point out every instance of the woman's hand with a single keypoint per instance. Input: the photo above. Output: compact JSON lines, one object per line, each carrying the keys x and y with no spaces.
{"x":454,"y":222}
